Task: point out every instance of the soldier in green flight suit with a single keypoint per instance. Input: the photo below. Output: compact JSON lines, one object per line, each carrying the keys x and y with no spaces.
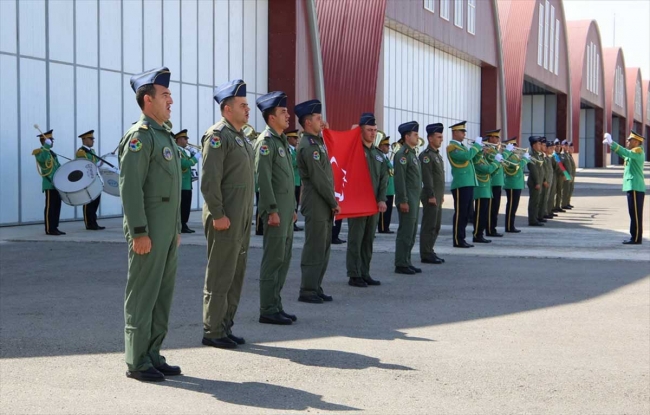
{"x":535,"y":180}
{"x":513,"y":182}
{"x":463,"y":180}
{"x":361,"y":230}
{"x":319,"y":206}
{"x":566,"y":185}
{"x":432,"y":195}
{"x":408,"y":186}
{"x":276,"y":207}
{"x":483,"y":192}
{"x":551,"y":174}
{"x":558,"y":180}
{"x":383,"y":224}
{"x":544,"y":174}
{"x":150,"y":188}
{"x":570,"y":184}
{"x":633,"y":182}
{"x":86,"y":152}
{"x":47,"y":163}
{"x":497,"y":181}
{"x":292,"y":138}
{"x":227,"y":183}
{"x":187,"y":162}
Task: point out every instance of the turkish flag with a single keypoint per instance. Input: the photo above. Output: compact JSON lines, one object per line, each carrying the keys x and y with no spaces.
{"x":352,"y":183}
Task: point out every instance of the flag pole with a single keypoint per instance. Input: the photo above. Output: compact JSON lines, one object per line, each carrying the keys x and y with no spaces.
{"x":317,"y":57}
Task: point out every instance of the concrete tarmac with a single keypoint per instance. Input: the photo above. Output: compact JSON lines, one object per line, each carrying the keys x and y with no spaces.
{"x":552,"y":320}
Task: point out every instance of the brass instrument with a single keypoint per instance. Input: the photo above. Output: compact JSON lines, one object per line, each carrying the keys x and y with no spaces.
{"x":380,"y":136}
{"x":249,"y":132}
{"x":194,"y":146}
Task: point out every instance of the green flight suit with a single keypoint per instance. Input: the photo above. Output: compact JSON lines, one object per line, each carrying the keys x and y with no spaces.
{"x":187,"y":162}
{"x":408,"y":187}
{"x":572,"y":182}
{"x":535,"y":178}
{"x":566,"y":188}
{"x":361,"y":230}
{"x":433,"y":185}
{"x":543,"y":195}
{"x":294,"y":163}
{"x":150,"y":188}
{"x":558,"y":183}
{"x":227,"y":184}
{"x":317,"y":204}
{"x":554,"y":168}
{"x":275,"y":179}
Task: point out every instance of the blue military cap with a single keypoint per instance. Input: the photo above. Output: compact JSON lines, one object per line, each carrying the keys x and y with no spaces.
{"x":571,"y":144}
{"x":158,"y":76}
{"x":542,"y":139}
{"x":459,"y":127}
{"x":313,"y":106}
{"x":271,"y":100}
{"x":408,"y":127}
{"x":533,"y":139}
{"x":367,"y":118}
{"x":234,"y":88}
{"x":549,"y":143}
{"x":435,"y":128}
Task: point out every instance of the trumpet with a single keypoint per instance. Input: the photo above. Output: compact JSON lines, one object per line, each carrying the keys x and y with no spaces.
{"x":249,"y":132}
{"x":380,"y":136}
{"x":194,"y":146}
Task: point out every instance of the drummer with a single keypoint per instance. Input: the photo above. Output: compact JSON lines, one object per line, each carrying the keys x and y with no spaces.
{"x":86,"y":152}
{"x":48,"y":163}
{"x":187,"y":162}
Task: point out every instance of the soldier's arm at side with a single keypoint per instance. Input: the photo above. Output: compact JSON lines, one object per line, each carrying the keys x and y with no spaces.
{"x":399,"y":179}
{"x":264,"y":169}
{"x":383,"y":182}
{"x":134,"y":166}
{"x":427,"y":178}
{"x":212,"y":176}
{"x":317,"y":175}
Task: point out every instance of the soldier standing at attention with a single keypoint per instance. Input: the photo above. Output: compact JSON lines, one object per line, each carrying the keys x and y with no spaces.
{"x":384,"y":218}
{"x":48,"y":163}
{"x":408,"y":186}
{"x":572,"y":172}
{"x":86,"y":152}
{"x":150,"y":188}
{"x":227,"y":183}
{"x":552,"y":168}
{"x":292,"y":138}
{"x":497,"y":182}
{"x":513,"y":182}
{"x":276,"y":207}
{"x":543,"y":171}
{"x":433,"y":194}
{"x":535,"y":180}
{"x":633,"y":182}
{"x":559,"y":178}
{"x":463,"y":180}
{"x":483,"y":192}
{"x":319,"y":206}
{"x":361,"y":230}
{"x":187,"y":162}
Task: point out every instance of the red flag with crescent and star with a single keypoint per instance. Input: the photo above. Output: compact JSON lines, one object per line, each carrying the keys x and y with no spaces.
{"x":352,"y":183}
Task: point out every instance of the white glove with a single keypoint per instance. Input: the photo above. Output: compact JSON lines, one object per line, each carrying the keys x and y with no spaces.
{"x":527,"y":156}
{"x":48,"y":142}
{"x":192,"y":151}
{"x":498,"y":158}
{"x":197,"y":155}
{"x":479,"y":141}
{"x":510,"y":147}
{"x":608,"y":139}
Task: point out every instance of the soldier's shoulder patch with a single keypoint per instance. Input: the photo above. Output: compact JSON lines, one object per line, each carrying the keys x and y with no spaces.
{"x":144,"y":125}
{"x":402,"y":160}
{"x":264,"y":150}
{"x":267,"y":134}
{"x":316,"y":155}
{"x":313,"y":142}
{"x":135,"y":144}
{"x":215,"y":141}
{"x":36,"y":152}
{"x":426,"y":159}
{"x":281,"y":152}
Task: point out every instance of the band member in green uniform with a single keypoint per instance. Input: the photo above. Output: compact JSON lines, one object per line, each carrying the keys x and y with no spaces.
{"x":47,"y":163}
{"x":483,"y":192}
{"x":86,"y":152}
{"x":150,"y":189}
{"x":513,"y":182}
{"x":187,"y":162}
{"x":432,"y":195}
{"x":497,"y":182}
{"x":633,"y":182}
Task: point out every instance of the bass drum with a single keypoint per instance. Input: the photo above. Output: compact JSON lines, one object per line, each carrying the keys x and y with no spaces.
{"x":78,"y":182}
{"x":111,"y":175}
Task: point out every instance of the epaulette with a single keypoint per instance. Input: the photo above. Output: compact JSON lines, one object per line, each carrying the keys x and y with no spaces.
{"x":219,"y":126}
{"x":81,"y":153}
{"x":312,"y":141}
{"x":267,"y":134}
{"x":144,"y":125}
{"x":36,"y":152}
{"x":427,"y":150}
{"x":637,"y":150}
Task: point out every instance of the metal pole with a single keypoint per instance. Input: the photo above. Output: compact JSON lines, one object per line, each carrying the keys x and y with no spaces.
{"x":317,"y":57}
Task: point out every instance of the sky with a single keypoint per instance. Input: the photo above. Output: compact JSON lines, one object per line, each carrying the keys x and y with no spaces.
{"x":624,"y":23}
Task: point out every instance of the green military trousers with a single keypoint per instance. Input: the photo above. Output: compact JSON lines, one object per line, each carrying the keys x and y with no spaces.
{"x":551,"y":196}
{"x":148,"y":297}
{"x":533,"y":203}
{"x":361,"y":236}
{"x":566,"y":192}
{"x":542,"y":202}
{"x":224,"y":275}
{"x":430,"y":228}
{"x":315,"y":255}
{"x":406,"y":233}
{"x":276,"y":259}
{"x":558,"y":185}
